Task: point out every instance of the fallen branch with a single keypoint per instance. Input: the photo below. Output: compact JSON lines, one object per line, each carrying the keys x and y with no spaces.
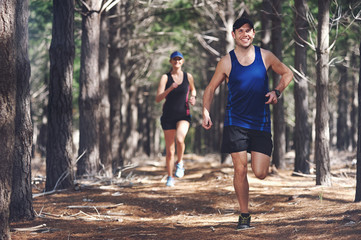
{"x":92,"y":206}
{"x":48,"y":193}
{"x":303,"y":175}
{"x":29,"y":229}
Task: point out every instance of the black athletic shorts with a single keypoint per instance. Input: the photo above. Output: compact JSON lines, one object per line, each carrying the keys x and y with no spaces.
{"x":171,"y":123}
{"x":238,"y":139}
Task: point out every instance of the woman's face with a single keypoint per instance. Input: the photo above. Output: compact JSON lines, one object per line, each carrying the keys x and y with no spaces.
{"x":177,"y":61}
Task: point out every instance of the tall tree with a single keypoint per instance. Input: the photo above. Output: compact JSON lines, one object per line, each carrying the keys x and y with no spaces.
{"x":343,"y":134}
{"x":279,"y":128}
{"x":104,"y":113}
{"x":358,"y":170}
{"x":59,"y":154}
{"x":115,"y":45}
{"x":130,"y":86}
{"x":21,"y":206}
{"x":302,"y":132}
{"x":89,"y":98}
{"x":322,"y":158}
{"x":266,"y":22}
{"x":354,"y":101}
{"x":7,"y":109}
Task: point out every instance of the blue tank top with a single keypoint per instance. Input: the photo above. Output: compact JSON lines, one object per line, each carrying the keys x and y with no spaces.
{"x":247,"y":87}
{"x":176,"y":104}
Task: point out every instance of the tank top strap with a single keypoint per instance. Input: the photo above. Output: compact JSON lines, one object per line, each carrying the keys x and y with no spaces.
{"x":234,"y":59}
{"x":169,"y":76}
{"x":258,"y":56}
{"x":185,"y":76}
{"x":233,"y":56}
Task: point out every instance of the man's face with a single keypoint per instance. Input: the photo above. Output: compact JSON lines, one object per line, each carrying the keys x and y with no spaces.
{"x":243,"y":36}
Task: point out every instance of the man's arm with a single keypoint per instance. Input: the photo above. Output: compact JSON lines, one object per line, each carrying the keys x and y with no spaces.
{"x":222,"y":70}
{"x":278,"y":67}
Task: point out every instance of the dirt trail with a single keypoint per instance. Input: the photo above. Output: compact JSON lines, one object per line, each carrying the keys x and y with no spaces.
{"x":202,"y":205}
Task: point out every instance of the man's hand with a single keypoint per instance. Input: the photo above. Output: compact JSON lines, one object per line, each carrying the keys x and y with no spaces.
{"x":272,"y":98}
{"x":207,"y":122}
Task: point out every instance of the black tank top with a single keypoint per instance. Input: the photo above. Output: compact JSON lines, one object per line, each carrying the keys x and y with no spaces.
{"x":176,"y":104}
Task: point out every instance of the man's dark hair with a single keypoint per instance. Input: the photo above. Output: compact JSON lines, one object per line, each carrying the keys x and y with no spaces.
{"x":240,"y":22}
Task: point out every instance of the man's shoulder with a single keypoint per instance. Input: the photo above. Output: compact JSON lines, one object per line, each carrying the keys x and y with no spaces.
{"x":224,"y":65}
{"x":265,"y":51}
{"x":226,"y":59}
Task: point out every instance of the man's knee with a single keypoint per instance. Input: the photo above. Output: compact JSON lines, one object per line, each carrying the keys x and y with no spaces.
{"x":261,"y":174}
{"x":240,"y":170}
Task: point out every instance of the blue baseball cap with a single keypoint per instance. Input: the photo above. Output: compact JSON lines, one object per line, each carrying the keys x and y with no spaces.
{"x":176,"y":54}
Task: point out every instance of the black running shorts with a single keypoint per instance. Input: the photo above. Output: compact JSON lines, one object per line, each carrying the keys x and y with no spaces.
{"x":238,"y":139}
{"x":168,"y":123}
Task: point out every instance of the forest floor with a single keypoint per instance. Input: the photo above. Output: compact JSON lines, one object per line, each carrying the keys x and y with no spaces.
{"x":202,"y":205}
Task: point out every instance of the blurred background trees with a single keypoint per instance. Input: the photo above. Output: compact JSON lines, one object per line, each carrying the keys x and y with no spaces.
{"x":95,"y":67}
{"x":134,"y":40}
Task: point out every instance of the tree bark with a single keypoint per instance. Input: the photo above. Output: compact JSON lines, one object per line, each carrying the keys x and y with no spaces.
{"x":59,"y":153}
{"x":89,"y":99}
{"x":114,"y":86}
{"x":302,"y":131}
{"x":358,"y":170}
{"x":354,"y":102}
{"x":266,"y":23}
{"x":104,"y":113}
{"x":21,"y":206}
{"x":279,"y":129}
{"x":343,"y":135}
{"x":322,"y":158}
{"x":7,"y":109}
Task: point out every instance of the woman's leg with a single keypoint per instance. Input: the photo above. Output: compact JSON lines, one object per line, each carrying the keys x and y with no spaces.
{"x":182,"y":129}
{"x":169,"y":136}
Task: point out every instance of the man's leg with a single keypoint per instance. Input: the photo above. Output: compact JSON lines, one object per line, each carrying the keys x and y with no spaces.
{"x":260,"y":164}
{"x":240,"y":180}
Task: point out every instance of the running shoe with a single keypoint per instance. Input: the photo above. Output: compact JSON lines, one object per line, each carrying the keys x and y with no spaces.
{"x":170,"y":181}
{"x":179,"y":171}
{"x":244,"y":222}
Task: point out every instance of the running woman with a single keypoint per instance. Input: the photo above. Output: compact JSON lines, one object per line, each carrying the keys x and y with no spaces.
{"x":177,"y":87}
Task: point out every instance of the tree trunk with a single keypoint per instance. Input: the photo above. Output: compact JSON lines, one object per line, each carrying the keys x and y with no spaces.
{"x":302,"y":131}
{"x":89,"y":98}
{"x":129,"y":84}
{"x":354,"y":102}
{"x":279,"y":129}
{"x":21,"y":206}
{"x":59,"y":152}
{"x":266,"y":23}
{"x":322,"y":159}
{"x":358,"y":170}
{"x":114,"y":85}
{"x":130,"y":127}
{"x":145,"y":122}
{"x":7,"y":109}
{"x":104,"y":113}
{"x":343,"y":136}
